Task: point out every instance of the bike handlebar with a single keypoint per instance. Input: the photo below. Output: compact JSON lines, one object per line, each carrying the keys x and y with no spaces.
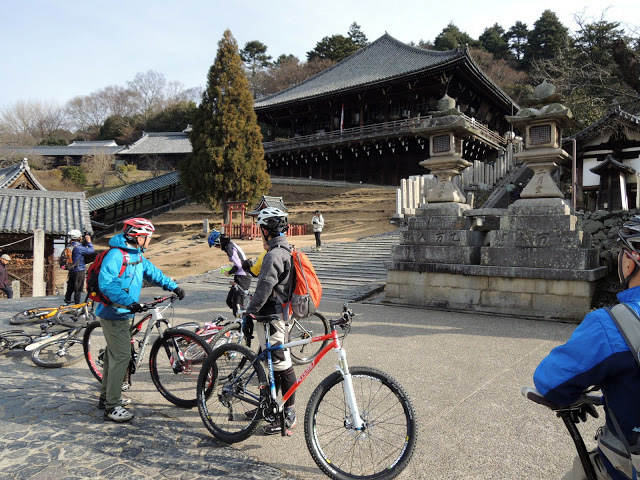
{"x":156,"y":301}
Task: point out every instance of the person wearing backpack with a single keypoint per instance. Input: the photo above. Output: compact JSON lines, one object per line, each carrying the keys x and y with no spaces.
{"x":239,"y":290}
{"x":597,"y":354}
{"x":122,"y":289}
{"x":76,"y":267}
{"x":273,"y":285}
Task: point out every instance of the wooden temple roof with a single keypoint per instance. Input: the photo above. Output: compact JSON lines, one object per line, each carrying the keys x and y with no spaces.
{"x":382,"y":61}
{"x":610,"y":163}
{"x":616,"y":114}
{"x":19,"y":176}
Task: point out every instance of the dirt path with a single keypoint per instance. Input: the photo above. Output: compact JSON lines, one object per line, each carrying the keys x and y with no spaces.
{"x":349,"y":212}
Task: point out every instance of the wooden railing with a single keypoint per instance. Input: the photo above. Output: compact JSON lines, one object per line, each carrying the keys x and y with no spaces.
{"x":251,"y":230}
{"x":397,"y":127}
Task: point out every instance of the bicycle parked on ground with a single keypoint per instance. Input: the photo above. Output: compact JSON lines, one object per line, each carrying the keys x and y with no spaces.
{"x":174,"y":360}
{"x":49,"y":349}
{"x":359,"y":422}
{"x":568,"y":415}
{"x":40,"y":314}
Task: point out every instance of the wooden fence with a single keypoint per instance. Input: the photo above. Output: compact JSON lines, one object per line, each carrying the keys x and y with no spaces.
{"x":250,"y":230}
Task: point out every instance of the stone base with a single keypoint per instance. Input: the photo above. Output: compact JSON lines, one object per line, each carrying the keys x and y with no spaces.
{"x":551,"y":299}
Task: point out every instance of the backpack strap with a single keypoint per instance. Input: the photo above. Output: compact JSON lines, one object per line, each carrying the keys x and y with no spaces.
{"x":628,"y":322}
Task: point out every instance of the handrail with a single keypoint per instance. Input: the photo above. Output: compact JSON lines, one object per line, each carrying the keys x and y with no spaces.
{"x":366,"y":131}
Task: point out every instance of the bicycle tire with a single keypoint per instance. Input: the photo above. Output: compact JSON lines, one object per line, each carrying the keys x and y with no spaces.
{"x":176,"y":375}
{"x":314,"y":326}
{"x":381,"y":400}
{"x":33,"y":315}
{"x":72,"y":317}
{"x":229,"y":334}
{"x":10,"y":339}
{"x":230,"y":370}
{"x":94,"y":346}
{"x":56,"y":354}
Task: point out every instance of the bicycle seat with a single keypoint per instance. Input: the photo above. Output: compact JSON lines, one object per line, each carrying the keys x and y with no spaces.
{"x":535,"y":396}
{"x":586,"y":398}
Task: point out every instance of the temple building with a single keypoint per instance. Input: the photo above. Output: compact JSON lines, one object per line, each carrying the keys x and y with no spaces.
{"x":360,"y":120}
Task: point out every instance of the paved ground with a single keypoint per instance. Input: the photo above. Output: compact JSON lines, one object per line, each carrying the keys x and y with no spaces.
{"x":462,"y":371}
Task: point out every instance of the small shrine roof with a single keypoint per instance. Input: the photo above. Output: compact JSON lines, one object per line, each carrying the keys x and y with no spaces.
{"x":267,"y":201}
{"x":610,"y":163}
{"x":9,"y":175}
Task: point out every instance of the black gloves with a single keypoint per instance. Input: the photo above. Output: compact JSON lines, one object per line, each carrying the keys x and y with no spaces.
{"x":582,"y":412}
{"x":136,"y":308}
{"x":247,"y":327}
{"x":179,"y":292}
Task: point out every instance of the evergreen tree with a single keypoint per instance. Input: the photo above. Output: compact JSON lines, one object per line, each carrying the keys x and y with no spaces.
{"x":494,"y":40}
{"x":517,"y":37}
{"x":227,"y":162}
{"x":334,"y":48}
{"x":357,"y":36}
{"x":546,"y":39}
{"x":254,"y":55}
{"x":451,"y":37}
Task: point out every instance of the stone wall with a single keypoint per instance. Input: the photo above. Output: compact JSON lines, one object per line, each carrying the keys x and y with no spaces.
{"x":603,"y":227}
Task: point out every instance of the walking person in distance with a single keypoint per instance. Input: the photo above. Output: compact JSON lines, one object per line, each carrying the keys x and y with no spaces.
{"x":318,"y":224}
{"x":4,"y":280}
{"x":75,"y":283}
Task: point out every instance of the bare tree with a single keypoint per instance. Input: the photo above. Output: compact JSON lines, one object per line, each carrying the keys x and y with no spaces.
{"x":26,"y":123}
{"x":156,"y":164}
{"x":148,"y":90}
{"x":98,"y":164}
{"x":88,"y":112}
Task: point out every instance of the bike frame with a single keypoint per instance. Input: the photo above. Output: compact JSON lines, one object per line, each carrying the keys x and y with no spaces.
{"x":156,"y":320}
{"x":342,"y":367}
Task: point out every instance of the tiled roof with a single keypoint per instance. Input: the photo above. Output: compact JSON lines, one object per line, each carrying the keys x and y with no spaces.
{"x":614,"y":113}
{"x":267,"y":201}
{"x":159,"y":143}
{"x":23,"y":211}
{"x":10,"y":174}
{"x":49,"y":151}
{"x":384,"y":59}
{"x":129,"y":191}
{"x":94,"y":143}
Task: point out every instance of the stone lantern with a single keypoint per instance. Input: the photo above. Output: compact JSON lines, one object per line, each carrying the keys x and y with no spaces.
{"x":446,"y":131}
{"x":541,"y":123}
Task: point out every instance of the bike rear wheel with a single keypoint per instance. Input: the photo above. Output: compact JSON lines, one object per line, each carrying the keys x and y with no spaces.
{"x":72,"y":317}
{"x":231,"y":411}
{"x":94,"y":346}
{"x":382,"y":449}
{"x":14,"y":339}
{"x":56,"y":354}
{"x":33,"y":315}
{"x":314,"y":326}
{"x":174,"y":363}
{"x":229,"y":334}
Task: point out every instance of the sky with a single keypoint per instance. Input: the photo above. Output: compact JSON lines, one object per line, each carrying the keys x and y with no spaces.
{"x":58,"y":49}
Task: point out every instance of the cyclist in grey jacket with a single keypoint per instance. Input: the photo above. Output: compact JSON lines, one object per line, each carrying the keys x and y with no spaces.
{"x":271,"y":292}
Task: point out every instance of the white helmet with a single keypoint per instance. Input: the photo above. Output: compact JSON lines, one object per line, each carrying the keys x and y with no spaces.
{"x":75,"y":234}
{"x":273,"y":220}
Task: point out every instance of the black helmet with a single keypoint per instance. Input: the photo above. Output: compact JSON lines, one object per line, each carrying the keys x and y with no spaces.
{"x":629,"y":234}
{"x":273,"y":220}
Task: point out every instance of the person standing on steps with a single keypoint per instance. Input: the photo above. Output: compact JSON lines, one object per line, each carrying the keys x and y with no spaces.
{"x":75,"y":283}
{"x":318,"y":224}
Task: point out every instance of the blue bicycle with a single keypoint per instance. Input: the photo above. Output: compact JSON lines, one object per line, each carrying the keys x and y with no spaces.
{"x":359,"y":422}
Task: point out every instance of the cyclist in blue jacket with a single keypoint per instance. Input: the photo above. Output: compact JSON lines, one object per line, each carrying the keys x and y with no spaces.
{"x":124,"y":293}
{"x":596,"y":354}
{"x":75,"y":282}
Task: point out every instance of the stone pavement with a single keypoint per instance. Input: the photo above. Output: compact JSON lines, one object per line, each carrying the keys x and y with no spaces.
{"x":462,"y":371}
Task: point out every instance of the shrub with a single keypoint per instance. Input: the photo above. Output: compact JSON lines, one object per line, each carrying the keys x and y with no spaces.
{"x":75,"y":175}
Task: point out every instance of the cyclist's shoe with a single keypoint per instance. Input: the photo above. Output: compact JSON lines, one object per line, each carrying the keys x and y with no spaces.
{"x":290,"y":421}
{"x":125,"y":386}
{"x":123,"y":402}
{"x":118,"y":414}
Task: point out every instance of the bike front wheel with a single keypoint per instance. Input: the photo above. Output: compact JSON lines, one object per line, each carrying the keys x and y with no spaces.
{"x":229,"y":334}
{"x":94,"y":346}
{"x":229,"y":393}
{"x":382,"y":448}
{"x":175,"y":362}
{"x":65,"y":351}
{"x":72,"y":317}
{"x":314,"y":326}
{"x":33,"y":315}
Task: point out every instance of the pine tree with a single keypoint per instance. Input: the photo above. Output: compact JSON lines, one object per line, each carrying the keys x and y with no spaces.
{"x":227,"y":162}
{"x":546,"y":39}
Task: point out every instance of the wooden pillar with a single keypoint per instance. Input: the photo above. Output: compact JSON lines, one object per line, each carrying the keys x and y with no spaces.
{"x":39,"y":289}
{"x":154,"y":197}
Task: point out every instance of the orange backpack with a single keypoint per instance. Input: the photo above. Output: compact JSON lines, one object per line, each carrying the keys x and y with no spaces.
{"x":307,"y":290}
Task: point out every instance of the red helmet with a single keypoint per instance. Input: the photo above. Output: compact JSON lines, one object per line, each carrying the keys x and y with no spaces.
{"x":135,"y":227}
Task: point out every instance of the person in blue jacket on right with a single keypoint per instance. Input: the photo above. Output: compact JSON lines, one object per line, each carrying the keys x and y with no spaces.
{"x":597,"y":354}
{"x":124,"y":293}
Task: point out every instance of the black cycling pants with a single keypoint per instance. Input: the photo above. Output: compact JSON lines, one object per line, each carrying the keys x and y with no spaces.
{"x":75,"y":285}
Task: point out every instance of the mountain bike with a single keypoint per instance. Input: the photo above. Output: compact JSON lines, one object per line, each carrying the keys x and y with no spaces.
{"x":359,"y":422}
{"x":40,"y":314}
{"x":174,"y":360}
{"x":49,"y":349}
{"x":568,"y":416}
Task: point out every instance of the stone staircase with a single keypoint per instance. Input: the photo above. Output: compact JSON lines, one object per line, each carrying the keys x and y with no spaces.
{"x":348,"y":271}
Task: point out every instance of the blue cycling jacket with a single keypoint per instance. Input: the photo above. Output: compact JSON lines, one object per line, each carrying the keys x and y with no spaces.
{"x":596,"y":354}
{"x":125,"y":290}
{"x":78,"y":253}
